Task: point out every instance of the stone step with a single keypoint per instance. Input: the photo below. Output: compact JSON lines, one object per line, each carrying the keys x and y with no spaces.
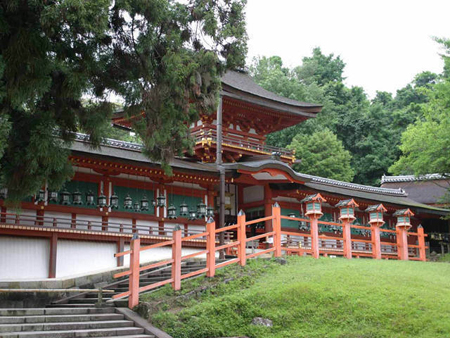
{"x":86,"y":300}
{"x":56,"y":310}
{"x":60,"y":318}
{"x":105,"y":332}
{"x":65,"y":326}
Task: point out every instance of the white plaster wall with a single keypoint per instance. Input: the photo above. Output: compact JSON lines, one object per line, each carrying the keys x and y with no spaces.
{"x":253,"y":194}
{"x":144,"y":226}
{"x":127,"y":224}
{"x":79,"y":257}
{"x":82,"y":222}
{"x":27,"y":217}
{"x":23,"y":258}
{"x":61,"y":224}
{"x":159,"y":254}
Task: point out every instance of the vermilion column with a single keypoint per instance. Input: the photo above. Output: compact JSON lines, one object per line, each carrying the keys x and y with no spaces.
{"x":133,"y":285}
{"x":347,"y":237}
{"x":376,"y":242}
{"x":402,"y":242}
{"x":176,"y":256}
{"x":241,"y":237}
{"x":211,"y":247}
{"x":314,"y":224}
{"x":276,"y":224}
{"x":421,"y":238}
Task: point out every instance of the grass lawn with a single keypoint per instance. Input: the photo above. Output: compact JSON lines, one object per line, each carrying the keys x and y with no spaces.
{"x":310,"y":298}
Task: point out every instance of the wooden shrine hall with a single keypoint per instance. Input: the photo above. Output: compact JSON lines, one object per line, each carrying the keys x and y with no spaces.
{"x":118,"y":192}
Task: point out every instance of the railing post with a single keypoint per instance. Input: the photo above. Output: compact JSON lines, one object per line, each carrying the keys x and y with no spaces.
{"x":133,"y":286}
{"x":347,"y":236}
{"x":376,"y":242}
{"x":211,"y":247}
{"x":314,"y":226}
{"x":276,"y":225}
{"x":402,"y":243}
{"x":176,"y":256}
{"x":241,"y":237}
{"x":421,"y":238}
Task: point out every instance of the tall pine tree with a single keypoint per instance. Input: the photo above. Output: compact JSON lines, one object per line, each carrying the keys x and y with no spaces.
{"x":60,"y":60}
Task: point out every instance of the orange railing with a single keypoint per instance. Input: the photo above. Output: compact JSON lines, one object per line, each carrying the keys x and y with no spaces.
{"x":290,"y":242}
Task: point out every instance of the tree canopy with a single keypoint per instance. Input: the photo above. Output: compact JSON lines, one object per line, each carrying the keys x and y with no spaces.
{"x":322,"y":154}
{"x":60,"y":61}
{"x":369,"y":129}
{"x":425,"y":144}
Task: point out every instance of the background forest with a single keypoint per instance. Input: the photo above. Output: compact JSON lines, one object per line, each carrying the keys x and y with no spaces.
{"x":354,"y":138}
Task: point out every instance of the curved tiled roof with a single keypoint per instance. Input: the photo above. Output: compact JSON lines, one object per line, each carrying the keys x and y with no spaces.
{"x":245,"y":83}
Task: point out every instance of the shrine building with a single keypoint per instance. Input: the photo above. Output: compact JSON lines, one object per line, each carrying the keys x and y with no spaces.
{"x":117,"y":191}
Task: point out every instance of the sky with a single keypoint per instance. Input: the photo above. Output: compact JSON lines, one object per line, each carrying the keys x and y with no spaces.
{"x":383,"y":43}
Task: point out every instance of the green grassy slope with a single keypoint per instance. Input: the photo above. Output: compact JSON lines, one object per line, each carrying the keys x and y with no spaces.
{"x":312,"y":298}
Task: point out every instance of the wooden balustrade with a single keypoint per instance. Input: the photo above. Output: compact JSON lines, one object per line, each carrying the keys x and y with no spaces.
{"x":344,"y":245}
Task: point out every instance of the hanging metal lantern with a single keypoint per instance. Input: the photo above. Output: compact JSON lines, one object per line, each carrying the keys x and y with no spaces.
{"x":40,"y":196}
{"x":53,"y":196}
{"x":114,"y":201}
{"x":201,"y":210}
{"x":161,"y":201}
{"x":192,"y":215}
{"x":137,"y":206}
{"x":184,"y":209}
{"x":3,"y":193}
{"x":172,"y":212}
{"x":90,"y":198}
{"x":65,"y":197}
{"x":101,"y":200}
{"x":128,"y":202}
{"x":144,"y":203}
{"x":209,"y":212}
{"x":76,"y":198}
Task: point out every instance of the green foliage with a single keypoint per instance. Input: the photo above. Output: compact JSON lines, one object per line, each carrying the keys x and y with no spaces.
{"x":162,"y":57}
{"x":322,"y":154}
{"x":322,"y":298}
{"x":370,"y":131}
{"x":425,"y":144}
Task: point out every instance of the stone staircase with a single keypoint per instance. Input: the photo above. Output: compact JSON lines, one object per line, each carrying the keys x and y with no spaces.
{"x":68,"y":322}
{"x":149,"y":277}
{"x":82,"y":315}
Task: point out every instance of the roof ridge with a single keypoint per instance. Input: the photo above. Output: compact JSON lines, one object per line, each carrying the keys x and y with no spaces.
{"x":412,"y":178}
{"x":361,"y":187}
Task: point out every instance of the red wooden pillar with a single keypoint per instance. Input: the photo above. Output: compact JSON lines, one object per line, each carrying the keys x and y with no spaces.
{"x":133,"y":225}
{"x":211,"y":247}
{"x":421,"y":239}
{"x":133,"y":285}
{"x":53,"y":255}
{"x":241,"y":237}
{"x":376,"y":245}
{"x":176,"y":256}
{"x":276,"y":227}
{"x":39,"y":217}
{"x":73,"y":223}
{"x":3,"y":215}
{"x":314,"y":225}
{"x":402,"y":243}
{"x":120,"y":248}
{"x":161,"y":230}
{"x":347,"y":237}
{"x":104,"y":223}
{"x":268,"y":207}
